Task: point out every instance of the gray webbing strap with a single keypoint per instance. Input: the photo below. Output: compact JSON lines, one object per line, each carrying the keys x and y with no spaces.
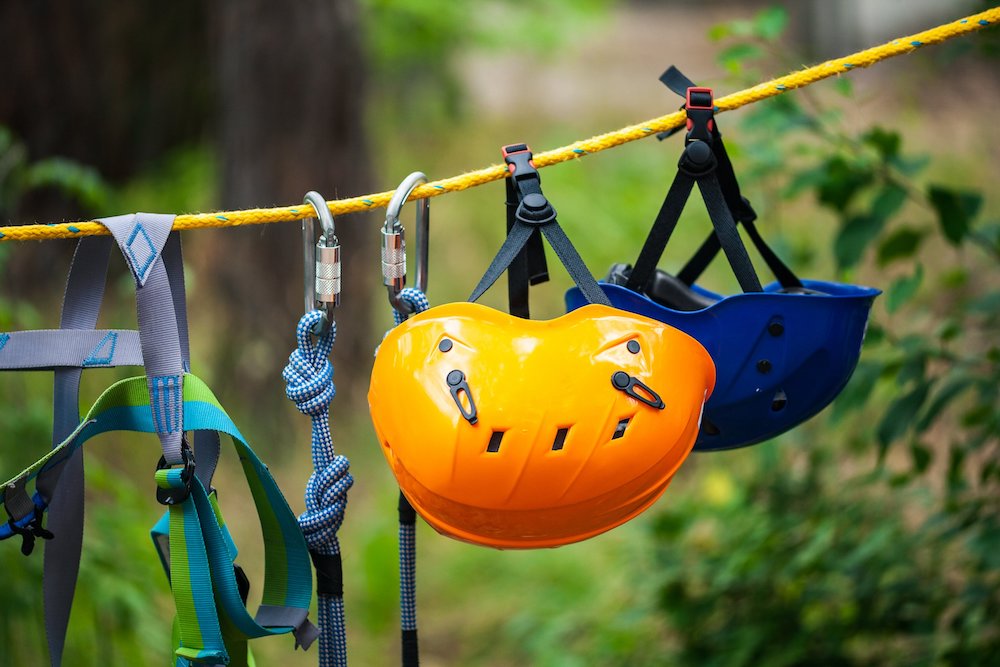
{"x":47,"y":349}
{"x":141,"y":237}
{"x":62,"y":553}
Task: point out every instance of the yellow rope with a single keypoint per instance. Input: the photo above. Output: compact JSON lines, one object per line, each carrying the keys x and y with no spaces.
{"x":579,"y":149}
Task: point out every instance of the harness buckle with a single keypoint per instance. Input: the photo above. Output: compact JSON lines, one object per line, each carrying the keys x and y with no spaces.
{"x":533,"y":208}
{"x":30,"y":530}
{"x":700,"y":107}
{"x":174,"y":495}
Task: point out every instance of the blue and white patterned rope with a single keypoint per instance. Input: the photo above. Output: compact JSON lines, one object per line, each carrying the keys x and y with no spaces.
{"x":309,"y":379}
{"x":417,"y":300}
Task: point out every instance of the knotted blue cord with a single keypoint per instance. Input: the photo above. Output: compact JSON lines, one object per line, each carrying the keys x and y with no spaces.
{"x":407,"y":531}
{"x":309,"y":379}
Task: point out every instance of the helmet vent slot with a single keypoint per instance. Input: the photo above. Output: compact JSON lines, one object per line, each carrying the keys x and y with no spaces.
{"x":779,"y":401}
{"x":620,"y":428}
{"x":494,"y":444}
{"x":560,"y":440}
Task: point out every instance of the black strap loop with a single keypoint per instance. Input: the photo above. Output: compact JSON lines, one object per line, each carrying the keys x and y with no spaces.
{"x":720,"y":190}
{"x":533,"y":215}
{"x":329,"y":574}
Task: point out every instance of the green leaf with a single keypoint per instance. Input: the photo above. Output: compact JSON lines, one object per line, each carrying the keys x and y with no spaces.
{"x":900,"y":415}
{"x":944,"y":396}
{"x":910,"y":165}
{"x":888,"y":201}
{"x":922,"y":457}
{"x":803,"y":180}
{"x":886,"y":142}
{"x":769,"y":23}
{"x":903,"y":289}
{"x":875,"y":333}
{"x":955,"y":210}
{"x":854,"y":237}
{"x":857,"y":392}
{"x":843,"y":181}
{"x":914,"y":368}
{"x":719,"y":31}
{"x":733,"y":57}
{"x":900,"y":244}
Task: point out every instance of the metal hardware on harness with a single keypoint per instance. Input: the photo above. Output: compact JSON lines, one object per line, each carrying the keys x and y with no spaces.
{"x":322,"y":284}
{"x":167,"y":496}
{"x":394,"y":243}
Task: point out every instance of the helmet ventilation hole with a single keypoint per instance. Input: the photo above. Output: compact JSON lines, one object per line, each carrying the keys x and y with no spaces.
{"x":779,"y":401}
{"x":560,"y":440}
{"x":620,"y":429}
{"x":494,"y":444}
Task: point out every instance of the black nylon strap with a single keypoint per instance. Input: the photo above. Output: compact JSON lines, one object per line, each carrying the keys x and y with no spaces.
{"x":518,"y":279}
{"x":407,"y":515}
{"x":729,"y":237}
{"x":329,"y":574}
{"x":508,"y":252}
{"x":743,"y":213}
{"x":411,"y":652}
{"x":659,"y":234}
{"x":577,"y":270}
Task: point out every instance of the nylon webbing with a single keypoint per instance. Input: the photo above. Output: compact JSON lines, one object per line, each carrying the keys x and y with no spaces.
{"x":659,"y":234}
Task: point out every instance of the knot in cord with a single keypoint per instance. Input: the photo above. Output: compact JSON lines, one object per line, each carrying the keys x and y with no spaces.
{"x":309,"y":384}
{"x":309,"y":378}
{"x":309,"y":374}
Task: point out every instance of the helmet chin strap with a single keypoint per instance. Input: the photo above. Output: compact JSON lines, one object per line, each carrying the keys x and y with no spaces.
{"x":533,"y":215}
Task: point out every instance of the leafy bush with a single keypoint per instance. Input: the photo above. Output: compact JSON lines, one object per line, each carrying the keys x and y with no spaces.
{"x":844,"y":551}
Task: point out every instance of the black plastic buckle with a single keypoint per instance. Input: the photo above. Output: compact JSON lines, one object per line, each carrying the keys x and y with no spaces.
{"x":519,"y":160}
{"x":31,"y":530}
{"x":700,"y":107}
{"x":532,"y":207}
{"x":177,"y":496}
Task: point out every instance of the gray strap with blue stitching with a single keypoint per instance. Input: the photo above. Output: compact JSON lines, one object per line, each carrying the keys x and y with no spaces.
{"x":46,"y":349}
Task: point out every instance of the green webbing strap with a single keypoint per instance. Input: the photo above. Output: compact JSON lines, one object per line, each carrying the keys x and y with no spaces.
{"x":201,"y":559}
{"x":190,"y":578}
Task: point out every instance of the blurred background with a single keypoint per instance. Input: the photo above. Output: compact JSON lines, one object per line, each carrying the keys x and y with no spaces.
{"x":867,"y":536}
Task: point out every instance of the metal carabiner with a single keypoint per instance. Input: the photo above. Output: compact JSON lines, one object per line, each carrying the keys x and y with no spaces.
{"x":394,"y":243}
{"x":322,"y":261}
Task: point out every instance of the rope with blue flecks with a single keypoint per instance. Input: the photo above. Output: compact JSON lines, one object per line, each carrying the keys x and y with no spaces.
{"x":804,"y":77}
{"x":408,"y":531}
{"x":309,"y":378}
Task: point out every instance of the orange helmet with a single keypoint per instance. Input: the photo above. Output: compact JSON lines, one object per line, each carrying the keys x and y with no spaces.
{"x":517,"y":433}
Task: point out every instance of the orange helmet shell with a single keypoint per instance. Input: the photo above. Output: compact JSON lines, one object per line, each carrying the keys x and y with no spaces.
{"x":555,"y":452}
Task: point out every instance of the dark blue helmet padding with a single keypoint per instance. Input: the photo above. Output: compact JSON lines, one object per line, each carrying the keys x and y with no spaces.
{"x":780,"y":358}
{"x":782,"y":352}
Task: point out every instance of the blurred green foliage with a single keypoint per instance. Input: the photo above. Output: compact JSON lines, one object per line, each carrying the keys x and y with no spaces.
{"x":414,"y":45}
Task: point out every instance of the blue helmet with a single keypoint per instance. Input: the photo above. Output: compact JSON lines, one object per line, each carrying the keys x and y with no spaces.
{"x":783,"y":351}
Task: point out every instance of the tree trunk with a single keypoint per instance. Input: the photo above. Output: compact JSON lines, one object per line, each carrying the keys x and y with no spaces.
{"x":291,"y":120}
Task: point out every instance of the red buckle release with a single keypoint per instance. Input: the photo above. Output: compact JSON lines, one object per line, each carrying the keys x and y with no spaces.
{"x":515,"y":149}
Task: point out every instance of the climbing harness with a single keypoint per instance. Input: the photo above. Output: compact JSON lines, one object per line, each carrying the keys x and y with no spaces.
{"x":778,"y":86}
{"x":515,"y":433}
{"x":309,"y":384}
{"x":212,"y":625}
{"x":782,"y":352}
{"x":406,"y":301}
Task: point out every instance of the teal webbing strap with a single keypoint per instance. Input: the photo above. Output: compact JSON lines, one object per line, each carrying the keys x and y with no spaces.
{"x":200,"y":556}
{"x":190,"y":578}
